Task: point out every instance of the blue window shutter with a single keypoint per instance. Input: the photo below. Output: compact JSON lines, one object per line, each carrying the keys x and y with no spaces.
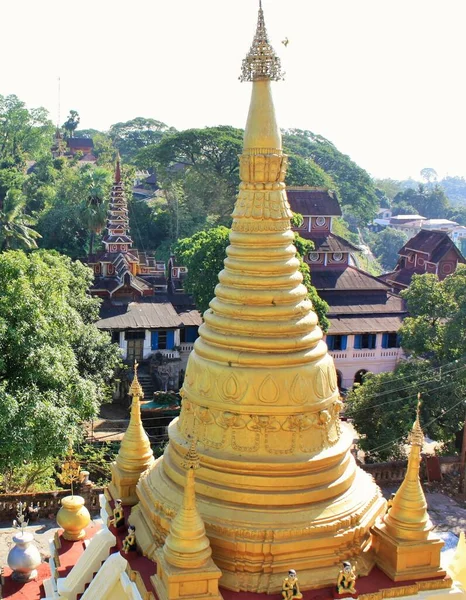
{"x":170,"y":339}
{"x":344,"y":341}
{"x":191,"y":334}
{"x":154,"y":340}
{"x":373,"y":340}
{"x":330,"y":342}
{"x":398,"y":340}
{"x":358,"y":341}
{"x":385,"y":340}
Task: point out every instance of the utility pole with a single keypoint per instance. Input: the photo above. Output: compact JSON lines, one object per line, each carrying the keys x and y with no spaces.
{"x":462,"y":488}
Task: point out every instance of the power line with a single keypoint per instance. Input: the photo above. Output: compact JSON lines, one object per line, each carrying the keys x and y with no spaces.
{"x":414,"y":384}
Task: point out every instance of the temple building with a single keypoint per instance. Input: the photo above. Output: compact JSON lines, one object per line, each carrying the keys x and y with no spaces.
{"x":145,"y":308}
{"x":257,"y":494}
{"x":364,"y":313}
{"x":427,"y":252}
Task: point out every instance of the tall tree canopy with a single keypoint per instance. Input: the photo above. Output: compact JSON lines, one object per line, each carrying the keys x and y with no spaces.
{"x":54,"y":364}
{"x":24,"y":134}
{"x":356,"y":188}
{"x":428,"y":201}
{"x":132,"y":136}
{"x":71,"y":123}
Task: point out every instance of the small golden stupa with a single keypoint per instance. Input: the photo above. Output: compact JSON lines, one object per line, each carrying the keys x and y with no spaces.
{"x":406,"y":548}
{"x":184,"y":564}
{"x":135,"y":454}
{"x":277,"y":482}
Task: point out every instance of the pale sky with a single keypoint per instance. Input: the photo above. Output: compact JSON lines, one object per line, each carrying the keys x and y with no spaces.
{"x":384,"y":80}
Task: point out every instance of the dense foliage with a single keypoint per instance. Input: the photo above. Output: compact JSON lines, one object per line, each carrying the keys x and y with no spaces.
{"x":54,"y":364}
{"x":356,"y":189}
{"x":434,"y":337}
{"x":204,"y":253}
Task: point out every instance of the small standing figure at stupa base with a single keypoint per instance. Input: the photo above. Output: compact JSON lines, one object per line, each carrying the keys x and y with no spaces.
{"x":346,"y":582}
{"x":118,"y":519}
{"x":290,"y":586}
{"x":129,"y":543}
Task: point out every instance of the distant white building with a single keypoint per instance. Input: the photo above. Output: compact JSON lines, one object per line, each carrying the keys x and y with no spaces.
{"x":439,"y":225}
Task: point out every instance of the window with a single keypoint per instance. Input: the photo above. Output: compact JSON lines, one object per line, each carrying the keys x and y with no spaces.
{"x":116,"y":337}
{"x":135,"y":335}
{"x":320,"y":221}
{"x":336,"y":342}
{"x":337,"y":256}
{"x":313,"y":256}
{"x":162,"y":339}
{"x":390,"y":340}
{"x":366,"y":341}
{"x":189,"y":334}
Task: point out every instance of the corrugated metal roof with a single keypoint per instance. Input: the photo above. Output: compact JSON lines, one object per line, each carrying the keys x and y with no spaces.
{"x":381,"y":303}
{"x":313,"y":202}
{"x":375,"y":324}
{"x":349,"y":278}
{"x":330,"y":243}
{"x":139,"y":315}
{"x":191,"y":318}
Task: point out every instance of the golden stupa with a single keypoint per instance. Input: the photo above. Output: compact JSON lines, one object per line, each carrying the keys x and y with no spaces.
{"x":277,"y":485}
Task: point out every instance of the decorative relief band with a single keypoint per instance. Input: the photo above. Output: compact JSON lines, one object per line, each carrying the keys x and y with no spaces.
{"x":250,"y":433}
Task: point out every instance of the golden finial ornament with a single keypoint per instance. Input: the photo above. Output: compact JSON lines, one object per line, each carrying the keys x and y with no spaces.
{"x":135,"y":389}
{"x":261,"y":62}
{"x":73,"y":516}
{"x":70,"y":470}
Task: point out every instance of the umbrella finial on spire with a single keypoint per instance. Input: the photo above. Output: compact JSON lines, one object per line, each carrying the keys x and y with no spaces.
{"x":261,"y":62}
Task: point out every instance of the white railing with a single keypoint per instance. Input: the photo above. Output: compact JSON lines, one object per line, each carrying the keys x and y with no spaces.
{"x":87,"y":564}
{"x":186,"y":346}
{"x":391,"y":354}
{"x":168,"y":353}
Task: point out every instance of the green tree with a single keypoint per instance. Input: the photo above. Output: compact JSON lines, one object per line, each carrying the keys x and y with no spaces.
{"x":55,"y":365}
{"x":71,"y":123}
{"x":203,"y":254}
{"x":430,"y":202}
{"x":433,"y":337}
{"x":15,"y":226}
{"x":24,"y":134}
{"x":357,"y":191}
{"x":386,"y":246}
{"x":97,"y":183}
{"x":429,"y":174}
{"x":383,"y":408}
{"x":304,"y":171}
{"x":132,"y":136}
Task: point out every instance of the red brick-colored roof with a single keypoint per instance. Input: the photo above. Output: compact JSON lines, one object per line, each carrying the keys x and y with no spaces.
{"x":313,"y":202}
{"x":434,"y":243}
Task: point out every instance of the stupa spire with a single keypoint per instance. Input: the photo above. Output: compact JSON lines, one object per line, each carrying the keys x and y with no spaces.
{"x":261,"y":62}
{"x":187,"y":545}
{"x":406,"y":548}
{"x":117,"y":238}
{"x":135,"y":454}
{"x":117,"y":169}
{"x":407,"y":518}
{"x":261,"y":392}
